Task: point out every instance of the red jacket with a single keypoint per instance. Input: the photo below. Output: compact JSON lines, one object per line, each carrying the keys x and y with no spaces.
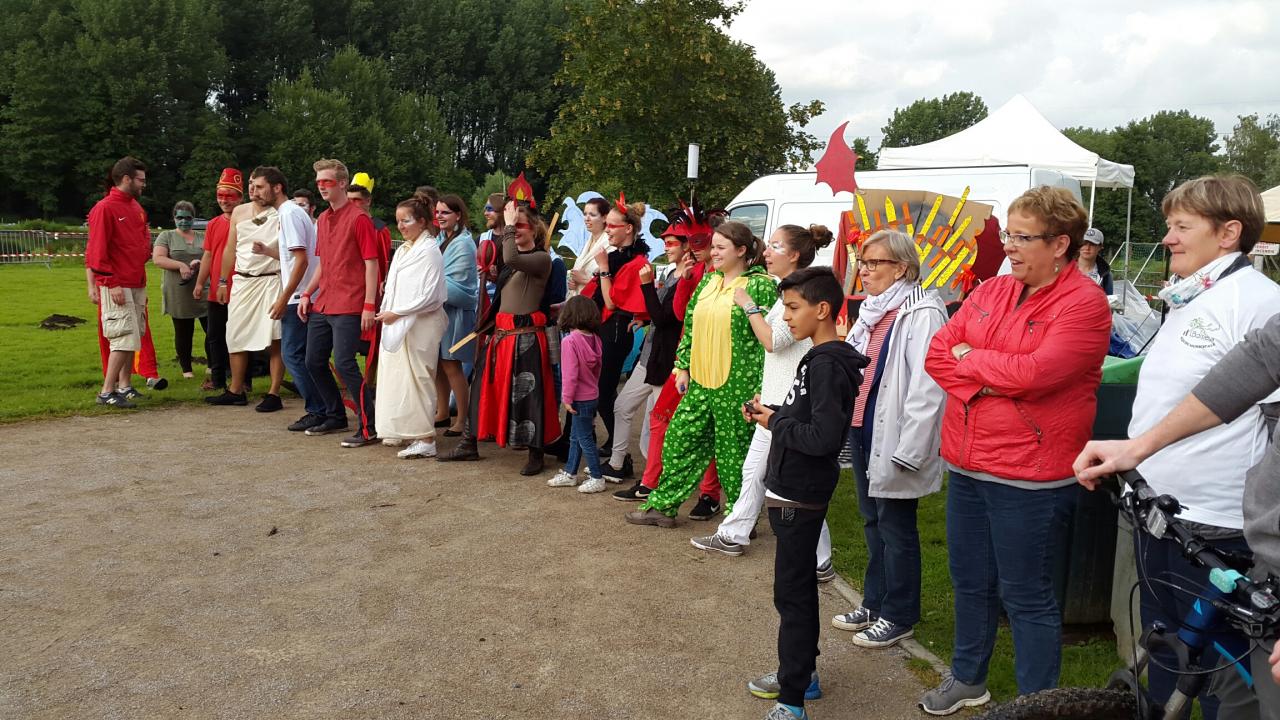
{"x":1045,"y":361}
{"x":119,"y":241}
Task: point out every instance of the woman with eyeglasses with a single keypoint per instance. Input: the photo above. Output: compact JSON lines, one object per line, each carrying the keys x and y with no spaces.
{"x":513,"y":395}
{"x":588,"y":263}
{"x":1021,"y":363}
{"x":894,"y":435}
{"x":463,"y":282}
{"x":178,"y":253}
{"x":616,"y":289}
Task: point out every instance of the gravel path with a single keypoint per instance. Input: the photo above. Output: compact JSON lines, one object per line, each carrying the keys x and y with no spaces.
{"x":204,"y":563}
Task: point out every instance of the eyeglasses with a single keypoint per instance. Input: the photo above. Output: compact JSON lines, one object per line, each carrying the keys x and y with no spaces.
{"x":874,"y":265}
{"x":611,"y":226}
{"x":326,"y":183}
{"x":1018,"y":240}
{"x":673,"y":242}
{"x":523,"y":226}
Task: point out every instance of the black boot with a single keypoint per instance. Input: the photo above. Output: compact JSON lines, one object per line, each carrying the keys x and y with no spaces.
{"x":465,"y":450}
{"x":534,"y":465}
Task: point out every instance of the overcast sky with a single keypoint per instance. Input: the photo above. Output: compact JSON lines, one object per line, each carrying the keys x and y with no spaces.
{"x":1097,"y":64}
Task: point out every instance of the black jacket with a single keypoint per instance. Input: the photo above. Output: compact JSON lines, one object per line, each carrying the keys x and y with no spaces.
{"x":810,"y":426}
{"x":1104,"y":270}
{"x":666,"y":331}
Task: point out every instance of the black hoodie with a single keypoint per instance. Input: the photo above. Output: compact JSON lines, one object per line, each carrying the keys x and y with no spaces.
{"x":810,"y":426}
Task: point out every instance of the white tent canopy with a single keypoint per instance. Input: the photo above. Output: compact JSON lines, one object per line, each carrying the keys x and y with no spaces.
{"x":1271,"y":202}
{"x":1014,"y":134}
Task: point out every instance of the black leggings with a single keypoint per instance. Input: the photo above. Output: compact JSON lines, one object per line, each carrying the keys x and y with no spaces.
{"x":617,"y":343}
{"x":215,"y":344}
{"x":184,"y":332}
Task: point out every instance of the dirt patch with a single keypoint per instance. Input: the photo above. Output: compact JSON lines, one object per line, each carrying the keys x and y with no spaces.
{"x":205,"y":563}
{"x":60,"y":322}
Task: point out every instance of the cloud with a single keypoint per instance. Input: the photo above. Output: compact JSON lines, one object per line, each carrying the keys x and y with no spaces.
{"x":1093,"y":64}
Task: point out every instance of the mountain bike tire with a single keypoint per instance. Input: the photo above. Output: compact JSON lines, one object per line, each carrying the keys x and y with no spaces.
{"x":1069,"y":704}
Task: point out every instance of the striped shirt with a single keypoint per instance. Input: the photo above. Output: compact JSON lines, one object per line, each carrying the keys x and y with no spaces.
{"x":874,"y":344}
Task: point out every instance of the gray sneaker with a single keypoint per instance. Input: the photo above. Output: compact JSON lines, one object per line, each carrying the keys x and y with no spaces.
{"x":952,"y":695}
{"x":780,"y":712}
{"x":715,"y":543}
{"x":859,"y":619}
{"x":116,"y":400}
{"x":826,"y":572}
{"x":767,"y":687}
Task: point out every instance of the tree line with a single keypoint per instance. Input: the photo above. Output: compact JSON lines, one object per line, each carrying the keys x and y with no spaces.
{"x":456,"y":93}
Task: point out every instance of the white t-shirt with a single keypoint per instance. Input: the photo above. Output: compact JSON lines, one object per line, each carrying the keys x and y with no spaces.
{"x":297,"y":232}
{"x":780,"y":365}
{"x":1205,"y":472}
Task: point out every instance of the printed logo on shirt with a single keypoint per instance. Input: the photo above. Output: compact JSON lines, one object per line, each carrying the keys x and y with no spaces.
{"x":799,"y":382}
{"x":1199,"y":334}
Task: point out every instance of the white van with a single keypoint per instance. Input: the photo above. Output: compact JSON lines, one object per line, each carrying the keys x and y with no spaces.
{"x":795,"y":198}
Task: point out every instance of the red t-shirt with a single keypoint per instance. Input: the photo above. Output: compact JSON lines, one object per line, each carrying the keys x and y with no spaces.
{"x":215,"y":240}
{"x":344,"y":240}
{"x":119,"y":241}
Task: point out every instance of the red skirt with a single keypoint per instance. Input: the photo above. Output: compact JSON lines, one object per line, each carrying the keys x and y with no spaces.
{"x":517,"y":403}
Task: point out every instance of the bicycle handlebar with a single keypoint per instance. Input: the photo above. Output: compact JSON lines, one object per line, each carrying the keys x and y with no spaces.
{"x":1156,"y":515}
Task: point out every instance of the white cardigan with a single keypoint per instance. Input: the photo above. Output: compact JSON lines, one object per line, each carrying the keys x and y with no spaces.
{"x":908,"y":416}
{"x":415,"y":285}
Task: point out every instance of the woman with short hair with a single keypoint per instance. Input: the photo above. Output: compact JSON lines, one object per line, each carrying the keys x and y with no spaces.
{"x":178,"y":253}
{"x":895,"y":434}
{"x":1021,"y":363}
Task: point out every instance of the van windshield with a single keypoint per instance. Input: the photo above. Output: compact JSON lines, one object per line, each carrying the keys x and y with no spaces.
{"x":753,"y":216}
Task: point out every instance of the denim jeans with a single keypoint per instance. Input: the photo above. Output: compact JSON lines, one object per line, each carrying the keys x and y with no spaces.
{"x":339,"y":334}
{"x":293,"y":350}
{"x":891,"y":586}
{"x":582,"y":439}
{"x":1002,"y":543}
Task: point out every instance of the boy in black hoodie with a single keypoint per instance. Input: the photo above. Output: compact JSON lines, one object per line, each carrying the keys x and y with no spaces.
{"x":808,"y":430}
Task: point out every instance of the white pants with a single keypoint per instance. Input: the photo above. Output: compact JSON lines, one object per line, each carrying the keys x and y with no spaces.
{"x":736,"y":528}
{"x":630,"y":398}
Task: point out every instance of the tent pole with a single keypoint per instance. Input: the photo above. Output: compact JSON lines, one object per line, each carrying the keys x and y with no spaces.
{"x":1128,"y":224}
{"x":1093,"y":189}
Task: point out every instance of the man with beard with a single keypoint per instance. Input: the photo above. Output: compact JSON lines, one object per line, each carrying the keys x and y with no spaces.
{"x":117,"y":252}
{"x":253,"y":239}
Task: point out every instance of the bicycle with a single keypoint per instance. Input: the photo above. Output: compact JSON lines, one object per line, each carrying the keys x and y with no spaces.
{"x":1230,"y":599}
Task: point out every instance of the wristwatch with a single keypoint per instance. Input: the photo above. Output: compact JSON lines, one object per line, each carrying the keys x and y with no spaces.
{"x":754,"y":310}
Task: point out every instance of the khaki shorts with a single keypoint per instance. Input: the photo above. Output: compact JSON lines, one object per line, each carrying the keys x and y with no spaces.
{"x":122,"y":325}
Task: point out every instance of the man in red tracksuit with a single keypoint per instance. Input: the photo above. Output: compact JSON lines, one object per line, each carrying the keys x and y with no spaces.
{"x":117,"y":253}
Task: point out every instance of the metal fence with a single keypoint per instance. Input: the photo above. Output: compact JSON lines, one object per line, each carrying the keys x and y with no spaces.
{"x":39,"y":246}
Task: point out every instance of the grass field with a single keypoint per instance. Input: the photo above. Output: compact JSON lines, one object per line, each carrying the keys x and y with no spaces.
{"x":46,"y":373}
{"x":52,"y":373}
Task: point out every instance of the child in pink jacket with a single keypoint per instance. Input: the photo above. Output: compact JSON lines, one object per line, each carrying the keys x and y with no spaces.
{"x":580,"y":391}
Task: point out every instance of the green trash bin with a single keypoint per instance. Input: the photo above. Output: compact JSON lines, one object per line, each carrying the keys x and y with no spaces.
{"x":1086,"y":567}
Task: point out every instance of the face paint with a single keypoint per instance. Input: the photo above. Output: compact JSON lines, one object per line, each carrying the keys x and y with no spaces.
{"x":184,"y":221}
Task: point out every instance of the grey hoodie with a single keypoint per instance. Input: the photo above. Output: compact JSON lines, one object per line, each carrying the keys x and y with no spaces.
{"x":1247,"y":375}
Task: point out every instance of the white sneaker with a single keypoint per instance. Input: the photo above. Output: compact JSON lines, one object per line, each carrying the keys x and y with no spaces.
{"x":419,"y":449}
{"x":563,"y":479}
{"x":592,"y":485}
{"x":393,"y":442}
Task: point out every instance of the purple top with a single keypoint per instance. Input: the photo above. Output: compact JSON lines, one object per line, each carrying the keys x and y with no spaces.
{"x":579,"y":367}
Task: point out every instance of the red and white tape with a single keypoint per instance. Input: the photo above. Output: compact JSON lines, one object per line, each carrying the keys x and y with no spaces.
{"x":41,"y":255}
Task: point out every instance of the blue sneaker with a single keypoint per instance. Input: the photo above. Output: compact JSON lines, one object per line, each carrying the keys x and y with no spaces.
{"x":767,"y":687}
